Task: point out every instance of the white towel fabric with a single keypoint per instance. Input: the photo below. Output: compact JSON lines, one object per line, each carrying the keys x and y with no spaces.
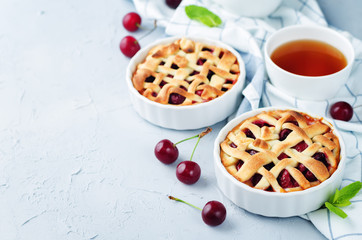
{"x":248,"y":36}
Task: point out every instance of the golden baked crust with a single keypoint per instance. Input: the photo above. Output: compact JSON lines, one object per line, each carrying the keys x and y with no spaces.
{"x":196,"y":72}
{"x":281,"y":151}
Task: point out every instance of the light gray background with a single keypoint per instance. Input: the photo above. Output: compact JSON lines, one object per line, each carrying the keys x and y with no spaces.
{"x":76,"y":161}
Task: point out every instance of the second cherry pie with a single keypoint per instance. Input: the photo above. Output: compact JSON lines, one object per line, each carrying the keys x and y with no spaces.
{"x":186,"y":72}
{"x":281,"y":151}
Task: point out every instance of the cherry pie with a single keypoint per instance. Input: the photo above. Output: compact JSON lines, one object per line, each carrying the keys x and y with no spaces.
{"x":186,"y":72}
{"x":281,"y":151}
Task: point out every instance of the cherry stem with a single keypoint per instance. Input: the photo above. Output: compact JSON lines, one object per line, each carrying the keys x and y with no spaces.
{"x":179,"y":200}
{"x":198,"y":135}
{"x":198,"y":140}
{"x":193,"y":151}
{"x":153,"y":29}
{"x":139,"y":26}
{"x":186,"y":139}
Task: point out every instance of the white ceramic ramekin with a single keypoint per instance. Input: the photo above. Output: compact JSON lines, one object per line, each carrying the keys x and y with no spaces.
{"x":250,"y":8}
{"x":185,"y":117}
{"x":274,"y":204}
{"x":304,"y":87}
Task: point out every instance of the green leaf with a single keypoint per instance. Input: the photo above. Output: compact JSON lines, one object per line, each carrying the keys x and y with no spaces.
{"x":334,"y":197}
{"x":336,"y":210}
{"x":202,"y":15}
{"x":346,"y":193}
{"x":342,"y":204}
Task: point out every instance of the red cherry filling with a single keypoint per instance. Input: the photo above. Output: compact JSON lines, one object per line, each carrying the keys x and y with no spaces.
{"x":307,"y":174}
{"x":199,"y":92}
{"x":310,"y":176}
{"x":163,"y":83}
{"x":221,"y":54}
{"x":294,"y":122}
{"x":207,"y":49}
{"x":201,"y":61}
{"x":210,"y":74}
{"x":282,"y":156}
{"x":269,"y":166}
{"x":150,"y":79}
{"x":252,"y":151}
{"x":176,"y":99}
{"x":261,"y":123}
{"x":284,"y":134}
{"x":239,"y":165}
{"x":233,"y":145}
{"x":285,"y":180}
{"x":301,"y":167}
{"x":249,"y":133}
{"x":194,"y":73}
{"x":154,"y":94}
{"x":300,"y":147}
{"x":256,"y":178}
{"x":174,"y":66}
{"x":321,"y":157}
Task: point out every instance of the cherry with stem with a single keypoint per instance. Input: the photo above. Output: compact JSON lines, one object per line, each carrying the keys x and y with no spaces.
{"x":189,"y":172}
{"x":132,"y":21}
{"x":167,"y":152}
{"x":213,"y":213}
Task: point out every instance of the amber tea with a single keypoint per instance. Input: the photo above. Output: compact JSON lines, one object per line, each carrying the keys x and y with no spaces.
{"x":309,"y":58}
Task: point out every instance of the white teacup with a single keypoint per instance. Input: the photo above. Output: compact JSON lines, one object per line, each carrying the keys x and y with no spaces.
{"x":250,"y":8}
{"x":307,"y":87}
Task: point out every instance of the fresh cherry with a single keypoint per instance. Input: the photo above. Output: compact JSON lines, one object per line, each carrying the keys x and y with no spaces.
{"x":189,"y":172}
{"x":166,"y":151}
{"x":213,"y":213}
{"x":173,"y":3}
{"x":129,"y":46}
{"x":131,"y":21}
{"x":341,"y":111}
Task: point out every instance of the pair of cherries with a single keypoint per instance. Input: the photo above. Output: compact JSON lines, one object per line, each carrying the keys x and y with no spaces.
{"x":188,"y":172}
{"x":129,"y":46}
